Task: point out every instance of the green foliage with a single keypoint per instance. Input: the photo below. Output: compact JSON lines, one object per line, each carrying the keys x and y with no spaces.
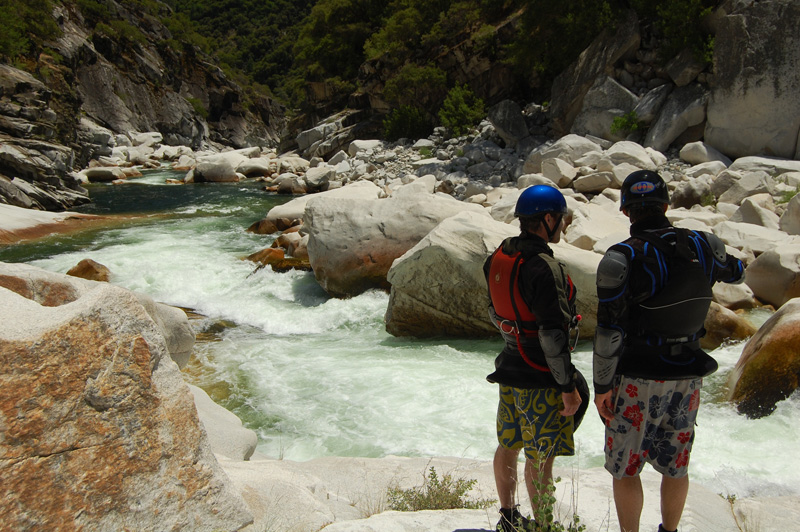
{"x":461,"y":110}
{"x":436,"y":494}
{"x":708,"y":199}
{"x":94,"y":11}
{"x":787,"y":196}
{"x":331,"y":38}
{"x":399,"y":35}
{"x":24,"y":24}
{"x":121,"y":30}
{"x":251,"y":36}
{"x":680,"y":23}
{"x":198,"y":107}
{"x":544,"y":503}
{"x":421,"y":86}
{"x":457,"y":19}
{"x":180,"y":25}
{"x":626,"y":124}
{"x":408,"y":122}
{"x":552,"y":34}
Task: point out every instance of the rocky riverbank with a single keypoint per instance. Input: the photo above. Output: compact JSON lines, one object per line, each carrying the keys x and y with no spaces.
{"x":408,"y":214}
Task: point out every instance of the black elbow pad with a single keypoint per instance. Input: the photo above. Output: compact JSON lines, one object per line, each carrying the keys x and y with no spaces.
{"x":556,"y":351}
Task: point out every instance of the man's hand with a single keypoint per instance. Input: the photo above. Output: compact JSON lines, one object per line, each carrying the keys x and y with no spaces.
{"x":572,"y":401}
{"x":604,"y":407}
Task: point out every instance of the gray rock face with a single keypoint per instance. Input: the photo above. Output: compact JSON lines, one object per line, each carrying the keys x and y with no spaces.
{"x":36,"y":174}
{"x":685,"y":107}
{"x":606,"y":100}
{"x":755,"y":104}
{"x":570,"y":87}
{"x":507,"y":119}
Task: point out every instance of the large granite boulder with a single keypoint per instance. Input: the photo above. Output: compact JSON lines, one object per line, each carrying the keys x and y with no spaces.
{"x":285,"y":215}
{"x":353,"y":242}
{"x":35,"y":174}
{"x":571,"y":86}
{"x":685,"y":107}
{"x":722,"y":325}
{"x":790,"y":219}
{"x":752,"y":237}
{"x":606,"y":100}
{"x":224,"y":429}
{"x":438,"y":286}
{"x":592,"y":223}
{"x":99,"y":430}
{"x":570,"y":148}
{"x":754,"y":105}
{"x":774,"y":276}
{"x":54,"y":290}
{"x":508,"y":121}
{"x":769,"y":369}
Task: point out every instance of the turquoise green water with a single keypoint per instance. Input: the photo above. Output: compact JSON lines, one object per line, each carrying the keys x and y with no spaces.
{"x":315,"y":376}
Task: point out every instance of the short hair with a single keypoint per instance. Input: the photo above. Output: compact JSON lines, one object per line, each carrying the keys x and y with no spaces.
{"x":530,"y":224}
{"x":641,"y":211}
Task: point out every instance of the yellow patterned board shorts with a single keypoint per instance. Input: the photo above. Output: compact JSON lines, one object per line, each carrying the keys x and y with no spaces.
{"x":529,"y":419}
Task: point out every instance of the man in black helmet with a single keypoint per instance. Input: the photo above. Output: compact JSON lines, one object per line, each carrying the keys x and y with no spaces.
{"x":533,"y":304}
{"x":654,"y":291}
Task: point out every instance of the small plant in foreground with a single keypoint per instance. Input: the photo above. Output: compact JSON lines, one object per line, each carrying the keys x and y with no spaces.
{"x":544,"y":505}
{"x":743,"y":522}
{"x":446,"y":493}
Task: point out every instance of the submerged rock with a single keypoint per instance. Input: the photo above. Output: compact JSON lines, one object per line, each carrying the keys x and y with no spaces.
{"x":769,"y":369}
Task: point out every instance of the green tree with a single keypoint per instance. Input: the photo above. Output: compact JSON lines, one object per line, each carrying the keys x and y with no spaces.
{"x":680,"y":23}
{"x":461,"y":110}
{"x":552,"y":34}
{"x":420,"y":86}
{"x":24,"y":24}
{"x":407,"y":122}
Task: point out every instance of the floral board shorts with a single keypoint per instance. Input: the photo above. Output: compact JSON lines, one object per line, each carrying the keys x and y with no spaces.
{"x":653,"y":423}
{"x":530,"y":419}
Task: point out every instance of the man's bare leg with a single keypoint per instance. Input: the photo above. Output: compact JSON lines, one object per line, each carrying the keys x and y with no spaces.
{"x":538,"y":479}
{"x":629,"y":500}
{"x":673,"y":499}
{"x":505,"y":475}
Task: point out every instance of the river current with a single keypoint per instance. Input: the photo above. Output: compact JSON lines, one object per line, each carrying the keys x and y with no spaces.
{"x":315,"y":376}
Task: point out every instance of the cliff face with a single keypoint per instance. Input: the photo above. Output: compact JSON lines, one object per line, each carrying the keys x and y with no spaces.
{"x":127,"y":84}
{"x":92,"y":86}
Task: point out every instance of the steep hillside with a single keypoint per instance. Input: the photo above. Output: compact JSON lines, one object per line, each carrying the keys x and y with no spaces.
{"x":85,"y":75}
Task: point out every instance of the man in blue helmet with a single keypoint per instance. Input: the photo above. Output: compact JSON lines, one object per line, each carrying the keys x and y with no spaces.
{"x":654,"y":291}
{"x":533,"y":305}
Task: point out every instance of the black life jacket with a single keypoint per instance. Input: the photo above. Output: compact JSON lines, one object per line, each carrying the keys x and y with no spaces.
{"x":665,"y":340}
{"x":516,"y":321}
{"x":679,"y":309}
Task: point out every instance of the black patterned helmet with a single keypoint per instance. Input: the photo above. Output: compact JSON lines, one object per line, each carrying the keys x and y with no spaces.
{"x":643,"y":187}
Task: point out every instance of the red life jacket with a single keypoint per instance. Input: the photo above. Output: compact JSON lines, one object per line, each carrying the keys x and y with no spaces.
{"x":513,"y":317}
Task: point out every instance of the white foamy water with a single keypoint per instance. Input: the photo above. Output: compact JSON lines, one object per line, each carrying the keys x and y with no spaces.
{"x":315,"y":376}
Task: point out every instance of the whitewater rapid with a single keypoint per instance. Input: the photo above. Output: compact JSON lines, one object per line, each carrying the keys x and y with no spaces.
{"x":315,"y":376}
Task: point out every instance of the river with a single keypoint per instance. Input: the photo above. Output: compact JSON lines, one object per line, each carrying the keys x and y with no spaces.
{"x":315,"y":376}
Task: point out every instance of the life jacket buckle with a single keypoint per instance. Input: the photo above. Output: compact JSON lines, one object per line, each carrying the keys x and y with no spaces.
{"x":513,"y":327}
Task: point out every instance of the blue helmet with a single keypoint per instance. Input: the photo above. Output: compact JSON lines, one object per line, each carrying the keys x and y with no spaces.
{"x":540,"y":199}
{"x":643,"y":187}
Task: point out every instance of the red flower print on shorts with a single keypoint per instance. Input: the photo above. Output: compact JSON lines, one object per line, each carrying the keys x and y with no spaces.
{"x":634,"y":415}
{"x":633,"y":464}
{"x":632,"y":391}
{"x":683,"y":437}
{"x":694,"y":402}
{"x":610,"y":444}
{"x":682,"y":459}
